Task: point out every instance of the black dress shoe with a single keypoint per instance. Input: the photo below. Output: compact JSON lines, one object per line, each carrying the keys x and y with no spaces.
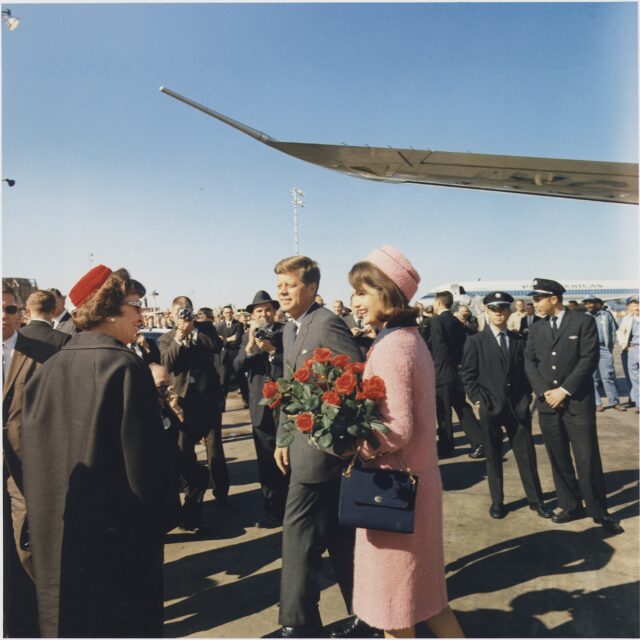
{"x":295,"y":632}
{"x":542,"y":510}
{"x":356,"y":628}
{"x":609,"y":524}
{"x":562,"y":517}
{"x":268,"y":522}
{"x":497,"y":511}
{"x":478,"y":452}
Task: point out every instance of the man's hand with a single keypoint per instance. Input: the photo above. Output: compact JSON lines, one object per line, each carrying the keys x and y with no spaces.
{"x":281,"y":456}
{"x":174,"y":403}
{"x":184,"y":328}
{"x":555,"y":397}
{"x":265,"y":345}
{"x":232,"y":338}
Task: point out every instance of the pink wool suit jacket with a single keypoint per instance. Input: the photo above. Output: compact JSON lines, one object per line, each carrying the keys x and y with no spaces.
{"x":399,"y":578}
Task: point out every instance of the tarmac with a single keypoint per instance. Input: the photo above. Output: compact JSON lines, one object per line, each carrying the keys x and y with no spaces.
{"x":522,"y":576}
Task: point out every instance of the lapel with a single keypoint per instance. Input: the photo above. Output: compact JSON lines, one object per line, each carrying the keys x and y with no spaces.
{"x":494,"y":347}
{"x":566,"y":321}
{"x":18,"y":362}
{"x":296,"y":347}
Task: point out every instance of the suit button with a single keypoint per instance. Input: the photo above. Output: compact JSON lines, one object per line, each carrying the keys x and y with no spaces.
{"x":553,"y":366}
{"x":555,"y":382}
{"x":553,"y":353}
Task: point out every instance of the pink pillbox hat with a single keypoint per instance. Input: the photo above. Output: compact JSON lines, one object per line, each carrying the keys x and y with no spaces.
{"x":397,"y":268}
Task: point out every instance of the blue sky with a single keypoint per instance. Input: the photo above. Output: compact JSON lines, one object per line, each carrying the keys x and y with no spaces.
{"x":107,"y":165}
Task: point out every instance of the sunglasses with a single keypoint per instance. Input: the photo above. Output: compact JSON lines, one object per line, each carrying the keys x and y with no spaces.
{"x":134,"y":303}
{"x":11,"y":309}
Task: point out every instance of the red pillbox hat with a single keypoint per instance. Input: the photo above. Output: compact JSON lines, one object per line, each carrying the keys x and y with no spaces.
{"x":88,"y":284}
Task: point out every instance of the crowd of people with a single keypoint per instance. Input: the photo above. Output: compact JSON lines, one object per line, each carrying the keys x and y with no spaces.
{"x":101,"y":425}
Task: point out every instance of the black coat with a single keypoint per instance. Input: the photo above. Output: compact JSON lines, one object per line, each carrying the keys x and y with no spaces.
{"x":524,"y":325}
{"x":448,"y":336}
{"x":258,"y":368}
{"x":230,"y":350}
{"x":100,"y":489}
{"x":567,"y":362}
{"x":492,"y":380}
{"x":44,"y":332}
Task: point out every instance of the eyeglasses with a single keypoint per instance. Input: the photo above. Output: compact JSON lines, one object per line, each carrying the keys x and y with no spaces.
{"x":10,"y":309}
{"x":134,"y":303}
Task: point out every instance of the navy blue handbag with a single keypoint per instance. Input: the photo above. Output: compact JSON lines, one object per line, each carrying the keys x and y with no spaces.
{"x":380,"y":499}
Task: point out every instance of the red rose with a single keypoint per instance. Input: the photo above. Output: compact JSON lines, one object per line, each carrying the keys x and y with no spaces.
{"x":373,"y":388}
{"x":332,"y":398}
{"x":302,"y":375}
{"x":322,"y":355}
{"x":345,"y":383}
{"x":355,"y":367}
{"x":275,"y":403}
{"x":340,"y":361}
{"x":304,"y":422}
{"x":270,"y":389}
{"x":308,"y":363}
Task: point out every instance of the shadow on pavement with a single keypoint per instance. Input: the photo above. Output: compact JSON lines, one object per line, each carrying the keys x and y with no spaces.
{"x":519,"y":560}
{"x":457,"y":476}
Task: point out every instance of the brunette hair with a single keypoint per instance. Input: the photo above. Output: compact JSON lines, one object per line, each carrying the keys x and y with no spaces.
{"x":310,"y":268}
{"x":41,"y":302}
{"x":396,"y":309}
{"x":182,"y":301}
{"x":446,"y":297}
{"x":107,"y":300}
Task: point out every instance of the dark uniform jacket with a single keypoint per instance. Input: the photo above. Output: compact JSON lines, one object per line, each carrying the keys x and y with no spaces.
{"x":100,"y":489}
{"x":448,"y":336}
{"x":568,"y":361}
{"x":258,"y":369}
{"x":320,"y":328}
{"x":492,"y":380}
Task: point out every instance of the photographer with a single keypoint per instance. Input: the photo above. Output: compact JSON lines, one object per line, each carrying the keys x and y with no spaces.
{"x":189,"y":352}
{"x":192,"y":477}
{"x":260,"y":355}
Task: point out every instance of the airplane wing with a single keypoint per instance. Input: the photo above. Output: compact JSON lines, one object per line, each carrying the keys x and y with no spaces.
{"x":580,"y":179}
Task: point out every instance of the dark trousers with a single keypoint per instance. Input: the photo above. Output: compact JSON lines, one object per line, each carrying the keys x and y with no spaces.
{"x":562,"y":433}
{"x":228,"y":375}
{"x":274,"y":484}
{"x":524,"y":452}
{"x":216,"y":460}
{"x":194,"y":480}
{"x":310,"y":527}
{"x":451,"y":395}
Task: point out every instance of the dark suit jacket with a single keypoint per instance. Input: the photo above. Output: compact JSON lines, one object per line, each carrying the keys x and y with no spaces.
{"x":320,"y":328}
{"x":258,"y":369}
{"x":229,"y":350}
{"x":492,"y":380}
{"x":447,"y":343}
{"x":195,"y":361}
{"x":44,"y":332}
{"x":567,"y":362}
{"x":524,"y":326}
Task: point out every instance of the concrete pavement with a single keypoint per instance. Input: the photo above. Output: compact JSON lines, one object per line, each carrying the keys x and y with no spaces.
{"x":518,"y":577}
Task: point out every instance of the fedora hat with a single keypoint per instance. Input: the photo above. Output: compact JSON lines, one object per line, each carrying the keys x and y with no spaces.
{"x":262,"y":297}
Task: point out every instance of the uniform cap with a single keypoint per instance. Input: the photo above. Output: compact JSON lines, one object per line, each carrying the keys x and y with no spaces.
{"x":88,"y":284}
{"x":591,"y":298}
{"x":397,"y":268}
{"x":543,"y":287}
{"x":631,"y":299}
{"x":498,"y":299}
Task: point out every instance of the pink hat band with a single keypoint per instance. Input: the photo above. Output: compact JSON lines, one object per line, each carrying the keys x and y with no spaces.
{"x":397,"y":268}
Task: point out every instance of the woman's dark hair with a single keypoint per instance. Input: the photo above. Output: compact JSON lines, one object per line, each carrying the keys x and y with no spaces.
{"x":396,"y":309}
{"x":107,"y":300}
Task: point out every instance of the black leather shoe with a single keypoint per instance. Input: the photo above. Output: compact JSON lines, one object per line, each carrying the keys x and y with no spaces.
{"x":609,"y":524}
{"x":268,"y":522}
{"x":562,"y":517}
{"x":478,"y":452}
{"x":356,"y":628}
{"x":497,"y":511}
{"x":542,"y":510}
{"x":295,"y":632}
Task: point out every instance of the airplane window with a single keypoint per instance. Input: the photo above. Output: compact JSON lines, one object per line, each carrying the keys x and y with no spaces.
{"x":462,"y":290}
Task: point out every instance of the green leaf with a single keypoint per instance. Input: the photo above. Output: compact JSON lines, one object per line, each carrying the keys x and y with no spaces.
{"x":378,"y":426}
{"x":354,"y":430}
{"x":325,"y":441}
{"x":284,"y":440}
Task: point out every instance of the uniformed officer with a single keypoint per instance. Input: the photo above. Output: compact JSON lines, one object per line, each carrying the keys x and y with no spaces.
{"x":493,"y":376}
{"x":560,"y":357}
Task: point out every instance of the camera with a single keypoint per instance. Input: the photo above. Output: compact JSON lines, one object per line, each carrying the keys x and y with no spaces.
{"x":264,"y":334}
{"x":184,"y":313}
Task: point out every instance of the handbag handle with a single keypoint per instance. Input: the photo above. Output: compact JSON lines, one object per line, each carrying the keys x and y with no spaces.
{"x":347,"y":473}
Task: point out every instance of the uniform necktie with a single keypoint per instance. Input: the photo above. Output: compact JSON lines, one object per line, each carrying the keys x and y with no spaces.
{"x":503,"y":345}
{"x":554,"y":326}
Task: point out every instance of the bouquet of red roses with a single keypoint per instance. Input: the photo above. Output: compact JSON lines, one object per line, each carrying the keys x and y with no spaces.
{"x":330,"y":401}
